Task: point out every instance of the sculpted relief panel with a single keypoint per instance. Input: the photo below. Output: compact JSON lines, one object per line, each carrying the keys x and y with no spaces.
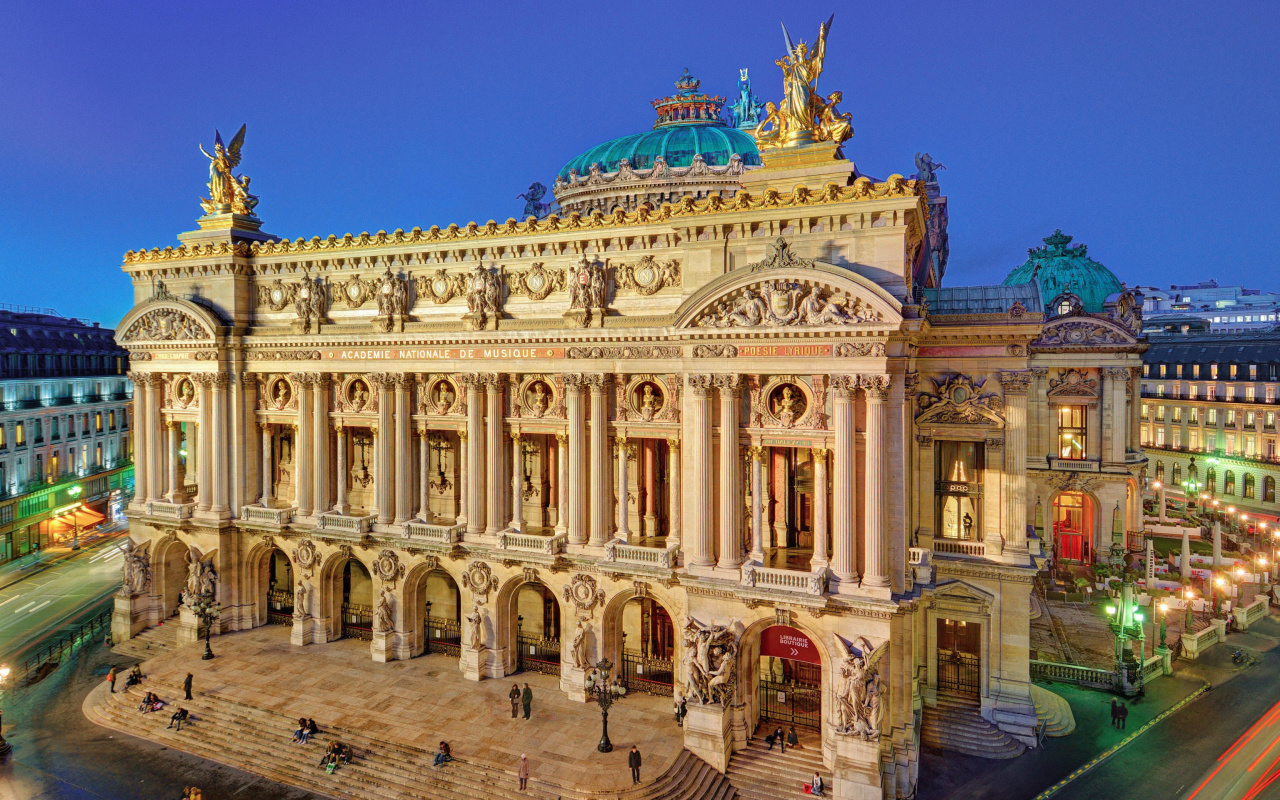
{"x":786,"y":303}
{"x":166,"y":324}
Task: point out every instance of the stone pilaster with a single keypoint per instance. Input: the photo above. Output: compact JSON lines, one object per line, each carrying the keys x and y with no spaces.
{"x":623,"y":490}
{"x":600,"y":472}
{"x":1016,"y":386}
{"x":562,"y":483}
{"x":876,"y":557}
{"x":730,"y":473}
{"x":404,"y":449}
{"x":340,"y":505}
{"x":517,"y":480}
{"x":844,"y":565}
{"x":493,"y":446}
{"x":673,"y":484}
{"x":757,"y":507}
{"x":820,"y":503}
{"x":699,"y":524}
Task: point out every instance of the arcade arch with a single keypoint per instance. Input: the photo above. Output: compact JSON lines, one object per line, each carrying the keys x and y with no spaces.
{"x":433,"y":612}
{"x":347,"y":598}
{"x":529,"y":615}
{"x":169,"y":578}
{"x":272,"y":581}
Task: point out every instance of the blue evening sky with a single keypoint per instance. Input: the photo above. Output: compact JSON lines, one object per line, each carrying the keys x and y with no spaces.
{"x":1148,"y":131}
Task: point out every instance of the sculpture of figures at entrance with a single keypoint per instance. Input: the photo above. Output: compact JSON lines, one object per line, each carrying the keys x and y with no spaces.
{"x":927,"y":167}
{"x":711,"y":657}
{"x":538,"y":401}
{"x":308,"y":303}
{"x":222,"y":185}
{"x":281,"y":394}
{"x":137,"y":569}
{"x":186,"y":393}
{"x":444,"y":397}
{"x":581,"y":656}
{"x":300,"y":596}
{"x":858,"y":704}
{"x":383,"y":618}
{"x":393,"y":295}
{"x":475,"y":629}
{"x":484,"y":294}
{"x":814,"y":310}
{"x":208,"y":577}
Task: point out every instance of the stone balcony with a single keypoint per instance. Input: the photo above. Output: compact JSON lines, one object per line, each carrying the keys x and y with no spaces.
{"x":344,"y":525}
{"x":622,"y":558}
{"x":532,"y":543}
{"x":958,"y":548}
{"x":172,"y":511}
{"x":802,"y":588}
{"x":443,"y":535}
{"x":261,"y":515}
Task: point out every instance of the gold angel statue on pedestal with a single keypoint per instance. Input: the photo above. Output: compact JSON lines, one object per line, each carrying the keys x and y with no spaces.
{"x":804,"y":116}
{"x":227,"y":191}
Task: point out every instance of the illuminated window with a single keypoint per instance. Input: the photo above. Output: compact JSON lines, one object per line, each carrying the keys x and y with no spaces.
{"x":1163,"y":370}
{"x":959,"y":494}
{"x":97,"y":422}
{"x":19,"y":435}
{"x":1177,"y":474}
{"x":1248,"y":487}
{"x":1213,"y":371}
{"x":1177,"y":413}
{"x":1179,"y":370}
{"x":1249,"y":393}
{"x":1229,"y":482}
{"x":1232,"y":371}
{"x":1231,"y":416}
{"x":1253,"y":372}
{"x":1072,"y":434}
{"x":1194,"y":415}
{"x":1268,"y":489}
{"x":1250,"y":419}
{"x":1160,"y":470}
{"x":1195,"y":370}
{"x":1211,"y":416}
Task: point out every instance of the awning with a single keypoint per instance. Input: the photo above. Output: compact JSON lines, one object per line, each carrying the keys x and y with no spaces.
{"x":85,"y":518}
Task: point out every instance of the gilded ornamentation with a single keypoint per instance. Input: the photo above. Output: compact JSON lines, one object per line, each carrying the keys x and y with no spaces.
{"x":537,"y":282}
{"x":584,"y":594}
{"x":356,"y":397}
{"x":277,"y":295}
{"x":309,"y":305}
{"x":959,"y":400}
{"x":393,"y":302}
{"x":538,"y":399}
{"x":647,"y":276}
{"x":479,"y":580}
{"x":439,"y":397}
{"x":1073,"y":383}
{"x":440,"y":286}
{"x":354,"y":291}
{"x":861,"y":190}
{"x":781,"y":256}
{"x":165,"y":324}
{"x":227,"y":192}
{"x":184,"y":393}
{"x":588,"y":293}
{"x":786,"y":404}
{"x":281,"y":355}
{"x":804,"y":116}
{"x":279,"y":395}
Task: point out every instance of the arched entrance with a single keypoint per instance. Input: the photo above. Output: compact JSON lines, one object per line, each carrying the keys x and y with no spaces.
{"x":436,"y":620}
{"x":790,"y":682}
{"x":350,"y":588}
{"x":648,"y":647}
{"x":171,"y":578}
{"x":537,"y":629}
{"x":1073,"y":526}
{"x":274,"y":592}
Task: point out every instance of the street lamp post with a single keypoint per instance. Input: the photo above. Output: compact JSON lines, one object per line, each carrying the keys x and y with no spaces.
{"x":74,"y":491}
{"x":597,"y":685}
{"x":5,"y":747}
{"x":206,"y":609}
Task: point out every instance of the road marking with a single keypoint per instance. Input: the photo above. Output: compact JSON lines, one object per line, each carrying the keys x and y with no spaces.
{"x":11,"y":599}
{"x":24,"y":608}
{"x":42,"y":605}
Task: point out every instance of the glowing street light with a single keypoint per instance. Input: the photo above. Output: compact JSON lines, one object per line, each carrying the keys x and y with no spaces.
{"x":74,"y":492}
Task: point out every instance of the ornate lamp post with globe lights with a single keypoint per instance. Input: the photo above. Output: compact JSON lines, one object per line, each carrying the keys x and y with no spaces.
{"x":206,"y":608}
{"x":598,"y":687}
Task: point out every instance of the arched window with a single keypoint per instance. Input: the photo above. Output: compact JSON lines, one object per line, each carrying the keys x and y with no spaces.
{"x":1229,"y":482}
{"x":1249,"y":493}
{"x":1177,"y":474}
{"x":1268,"y":489}
{"x":1211,"y":479}
{"x":1160,"y":470}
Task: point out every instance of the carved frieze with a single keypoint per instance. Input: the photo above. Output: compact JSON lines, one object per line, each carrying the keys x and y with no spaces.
{"x":959,"y":399}
{"x":647,"y":276}
{"x":584,"y":594}
{"x":166,"y":324}
{"x":1073,"y":383}
{"x":536,"y":283}
{"x":439,"y":286}
{"x":786,"y":303}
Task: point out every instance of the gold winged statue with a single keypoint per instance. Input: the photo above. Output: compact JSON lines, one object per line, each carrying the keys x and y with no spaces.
{"x":227,"y":191}
{"x":804,"y":116}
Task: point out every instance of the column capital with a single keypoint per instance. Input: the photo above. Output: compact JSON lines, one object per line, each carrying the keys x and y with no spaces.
{"x":598,"y":381}
{"x":1015,"y":382}
{"x":383,"y":380}
{"x":220,"y":380}
{"x":266,"y":427}
{"x":819,"y":453}
{"x":911,"y":382}
{"x":845,"y":386}
{"x":574,"y":380}
{"x":1115,"y":373}
{"x":1040,"y":372}
{"x":756,"y":451}
{"x":673,"y":444}
{"x":728,"y":384}
{"x":562,"y":439}
{"x":700,"y":384}
{"x":403,"y":381}
{"x":202,"y":379}
{"x":462,"y":435}
{"x":468,"y":379}
{"x":924,"y":439}
{"x":876,"y":387}
{"x":516,"y":437}
{"x":337,"y":426}
{"x":373,"y":428}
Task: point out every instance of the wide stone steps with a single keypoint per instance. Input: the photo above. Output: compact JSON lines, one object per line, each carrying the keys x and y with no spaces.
{"x":759,"y":773}
{"x":258,"y":741}
{"x":150,"y":643}
{"x":1053,"y":713}
{"x":957,"y":724}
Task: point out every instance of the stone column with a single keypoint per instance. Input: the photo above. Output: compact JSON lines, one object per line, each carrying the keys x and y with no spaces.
{"x":730,"y":473}
{"x":650,"y":487}
{"x":320,"y":444}
{"x":1016,"y":385}
{"x":875,"y":559}
{"x":424,"y":473}
{"x":266,"y":499}
{"x":820,"y":525}
{"x":600,"y":472}
{"x":699,"y":543}
{"x":517,"y":481}
{"x":155,"y":399}
{"x":384,"y":448}
{"x":174,"y":429}
{"x":562,"y":483}
{"x":340,"y":506}
{"x":472,"y":468}
{"x":244,"y":399}
{"x":139,"y":380}
{"x":204,"y":431}
{"x":757,"y":507}
{"x":575,"y":485}
{"x":493,"y":446}
{"x":673,"y":486}
{"x":843,"y":545}
{"x":1039,"y":423}
{"x":302,"y":453}
{"x":1116,"y":380}
{"x":1133,"y":396}
{"x":463,"y":496}
{"x":624,"y":491}
{"x":221,"y":469}
{"x":404,"y":449}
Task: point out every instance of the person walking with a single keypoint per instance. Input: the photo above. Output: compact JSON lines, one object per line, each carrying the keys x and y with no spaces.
{"x":515,"y":700}
{"x":1115,"y":713}
{"x":522,"y":771}
{"x":1124,"y":715}
{"x":111,"y":679}
{"x":633,"y":761}
{"x":527,"y":700}
{"x":186,"y":685}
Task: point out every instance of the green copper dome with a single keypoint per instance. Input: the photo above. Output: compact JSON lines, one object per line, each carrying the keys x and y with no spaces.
{"x":1059,"y":269}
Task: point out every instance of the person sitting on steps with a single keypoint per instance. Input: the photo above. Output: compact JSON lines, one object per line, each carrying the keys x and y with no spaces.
{"x":443,"y":756}
{"x":179,"y":716}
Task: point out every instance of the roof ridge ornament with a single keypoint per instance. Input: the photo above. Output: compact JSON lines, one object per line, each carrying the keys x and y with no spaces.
{"x":781,"y":256}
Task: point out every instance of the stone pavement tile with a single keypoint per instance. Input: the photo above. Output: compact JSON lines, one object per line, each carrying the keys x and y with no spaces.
{"x":950,"y":776}
{"x":424,"y":700}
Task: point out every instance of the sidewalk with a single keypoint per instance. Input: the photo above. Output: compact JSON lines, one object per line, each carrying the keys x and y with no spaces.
{"x":951,"y":776}
{"x":19,"y":569}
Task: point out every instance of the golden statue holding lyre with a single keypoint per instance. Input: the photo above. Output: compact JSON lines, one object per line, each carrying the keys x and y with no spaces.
{"x":804,"y":117}
{"x":227,"y":191}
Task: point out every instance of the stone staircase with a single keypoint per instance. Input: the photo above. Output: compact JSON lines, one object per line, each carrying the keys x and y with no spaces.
{"x":957,"y":724}
{"x":258,"y":741}
{"x":1053,"y":713}
{"x":150,"y":643}
{"x":758,"y":773}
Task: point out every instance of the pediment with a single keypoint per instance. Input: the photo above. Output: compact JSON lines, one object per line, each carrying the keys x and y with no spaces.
{"x":1083,"y":331}
{"x":964,"y":598}
{"x":168,"y":319}
{"x":800,"y":293}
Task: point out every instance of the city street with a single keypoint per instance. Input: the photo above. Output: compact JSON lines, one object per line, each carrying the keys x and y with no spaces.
{"x":39,"y":606}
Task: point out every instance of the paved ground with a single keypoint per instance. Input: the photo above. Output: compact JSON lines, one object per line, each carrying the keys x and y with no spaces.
{"x":422,"y":701}
{"x":36,"y":606}
{"x":60,"y":755}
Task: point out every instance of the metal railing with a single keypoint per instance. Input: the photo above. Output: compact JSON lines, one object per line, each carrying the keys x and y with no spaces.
{"x":59,"y":648}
